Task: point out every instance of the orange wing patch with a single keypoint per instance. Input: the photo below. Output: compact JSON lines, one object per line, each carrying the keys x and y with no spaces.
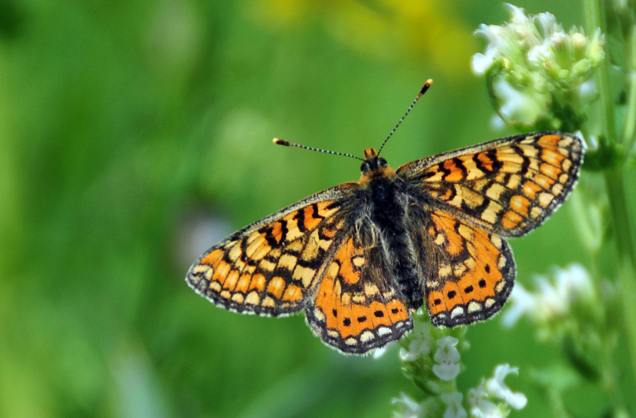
{"x":475,"y":271}
{"x":354,"y":311}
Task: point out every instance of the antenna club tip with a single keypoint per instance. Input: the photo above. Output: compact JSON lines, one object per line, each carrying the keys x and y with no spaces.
{"x":428,"y":84}
{"x":279,"y":141}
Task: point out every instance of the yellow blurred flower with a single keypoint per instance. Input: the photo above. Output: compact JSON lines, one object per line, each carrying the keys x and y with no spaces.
{"x":386,"y":30}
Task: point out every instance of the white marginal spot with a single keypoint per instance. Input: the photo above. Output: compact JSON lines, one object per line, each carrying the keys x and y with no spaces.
{"x":351,"y":341}
{"x":563,"y":178}
{"x":501,"y":263}
{"x":566,"y":164}
{"x":500,"y":286}
{"x":489,"y":302}
{"x":216,"y":286}
{"x":535,"y":212}
{"x":366,"y":336}
{"x":238,"y":297}
{"x":557,"y":189}
{"x":253,"y":298}
{"x":474,"y":307}
{"x":333,"y":334}
{"x":496,"y":241}
{"x":226,"y":294}
{"x":382,"y":331}
{"x":457,"y":311}
{"x":545,"y":199}
{"x":268,"y":302}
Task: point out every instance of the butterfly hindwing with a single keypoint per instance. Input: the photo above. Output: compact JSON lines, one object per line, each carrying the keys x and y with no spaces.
{"x":469,"y":271}
{"x":272,"y":266}
{"x":509,"y":186}
{"x":356,"y":306}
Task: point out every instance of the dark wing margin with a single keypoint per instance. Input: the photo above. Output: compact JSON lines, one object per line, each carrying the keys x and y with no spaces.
{"x":272,"y":266}
{"x":508,"y":186}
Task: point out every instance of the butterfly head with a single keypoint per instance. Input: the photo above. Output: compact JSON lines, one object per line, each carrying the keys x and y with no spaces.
{"x":373,"y":165}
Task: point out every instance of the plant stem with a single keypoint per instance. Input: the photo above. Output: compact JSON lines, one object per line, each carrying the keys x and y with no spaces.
{"x":629,"y":127}
{"x":621,"y":218}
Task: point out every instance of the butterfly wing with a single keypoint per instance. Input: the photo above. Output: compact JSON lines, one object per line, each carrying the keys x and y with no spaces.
{"x":356,"y":308}
{"x":469,"y":272}
{"x":272,"y":266}
{"x":467,"y":199}
{"x":508,"y":186}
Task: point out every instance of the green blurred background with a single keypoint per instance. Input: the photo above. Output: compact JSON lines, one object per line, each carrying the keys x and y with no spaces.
{"x":135,"y":134}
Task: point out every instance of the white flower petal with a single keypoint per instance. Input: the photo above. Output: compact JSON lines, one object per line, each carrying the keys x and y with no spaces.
{"x":454,"y":405}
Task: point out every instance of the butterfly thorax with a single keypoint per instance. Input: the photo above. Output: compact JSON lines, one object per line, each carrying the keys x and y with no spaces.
{"x":384,"y":195}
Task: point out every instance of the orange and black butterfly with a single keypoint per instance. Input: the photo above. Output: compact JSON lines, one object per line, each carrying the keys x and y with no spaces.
{"x":360,"y":257}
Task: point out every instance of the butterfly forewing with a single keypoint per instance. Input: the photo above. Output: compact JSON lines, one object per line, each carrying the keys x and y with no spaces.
{"x":509,"y":186}
{"x":272,"y":266}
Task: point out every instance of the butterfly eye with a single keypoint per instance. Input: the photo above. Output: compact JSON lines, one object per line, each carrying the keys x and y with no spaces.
{"x":365,"y":167}
{"x":382,"y":162}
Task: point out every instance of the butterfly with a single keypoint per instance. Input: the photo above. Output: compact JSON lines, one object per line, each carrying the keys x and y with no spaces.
{"x":360,"y":257}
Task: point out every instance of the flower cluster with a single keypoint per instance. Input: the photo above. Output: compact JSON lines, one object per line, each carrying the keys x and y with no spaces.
{"x":538,"y":74}
{"x":431,"y":356}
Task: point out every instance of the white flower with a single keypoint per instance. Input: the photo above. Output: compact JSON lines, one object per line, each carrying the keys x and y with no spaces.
{"x":573,"y":282}
{"x":421,"y":343}
{"x":447,"y":356}
{"x":539,"y":62}
{"x":519,"y":105}
{"x":522,"y":303}
{"x":410,"y":408}
{"x":453,"y":403}
{"x":553,"y":298}
{"x":547,"y":22}
{"x":497,"y":388}
{"x":518,"y":17}
{"x":480,"y":406}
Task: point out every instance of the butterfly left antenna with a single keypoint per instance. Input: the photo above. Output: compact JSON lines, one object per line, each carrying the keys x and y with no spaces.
{"x":293,"y":144}
{"x":420,"y":94}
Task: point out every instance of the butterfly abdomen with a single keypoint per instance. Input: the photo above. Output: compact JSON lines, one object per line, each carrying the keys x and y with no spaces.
{"x":388,"y":213}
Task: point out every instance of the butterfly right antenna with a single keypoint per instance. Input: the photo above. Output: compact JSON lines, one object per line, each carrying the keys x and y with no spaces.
{"x":420,"y":94}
